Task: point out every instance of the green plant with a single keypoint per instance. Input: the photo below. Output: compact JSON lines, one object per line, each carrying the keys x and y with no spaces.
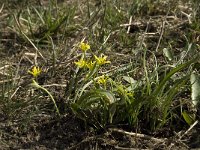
{"x":97,"y":105}
{"x":39,"y":27}
{"x":40,"y":23}
{"x":110,"y":104}
{"x":7,"y":90}
{"x":159,"y":94}
{"x":113,"y":102}
{"x":12,"y":106}
{"x":36,"y":85}
{"x":35,"y":72}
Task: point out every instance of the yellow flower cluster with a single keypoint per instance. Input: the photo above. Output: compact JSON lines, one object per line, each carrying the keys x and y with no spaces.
{"x":101,"y":60}
{"x":102,"y":80}
{"x":90,"y":64}
{"x":81,"y":63}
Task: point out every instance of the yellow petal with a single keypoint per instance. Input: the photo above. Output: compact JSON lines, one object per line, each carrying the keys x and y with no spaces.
{"x":35,"y":71}
{"x":84,"y":46}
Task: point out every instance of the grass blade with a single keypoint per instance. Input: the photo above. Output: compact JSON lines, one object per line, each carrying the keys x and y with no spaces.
{"x":172,"y":72}
{"x":195,"y":82}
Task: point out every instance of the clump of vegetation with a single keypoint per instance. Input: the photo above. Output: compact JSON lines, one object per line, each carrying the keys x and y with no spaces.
{"x":102,"y":101}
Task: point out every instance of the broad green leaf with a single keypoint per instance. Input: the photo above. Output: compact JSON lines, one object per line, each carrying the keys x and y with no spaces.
{"x":129,"y":79}
{"x":133,"y":83}
{"x":195,"y":82}
{"x":106,"y":94}
{"x":168,"y":54}
{"x":189,"y":118}
{"x":92,"y":96}
{"x":112,"y":111}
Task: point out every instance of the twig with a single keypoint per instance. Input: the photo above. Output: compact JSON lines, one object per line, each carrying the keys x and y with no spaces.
{"x":161,"y":35}
{"x":4,"y":67}
{"x":146,"y":137}
{"x":130,"y":24}
{"x":11,"y":80}
{"x":1,"y":8}
{"x":57,"y":85}
{"x":190,"y":128}
{"x":162,"y":31}
{"x":15,"y":92}
{"x":3,"y":72}
{"x":188,"y":16}
{"x":124,"y":148}
{"x":29,"y":40}
{"x":130,"y":21}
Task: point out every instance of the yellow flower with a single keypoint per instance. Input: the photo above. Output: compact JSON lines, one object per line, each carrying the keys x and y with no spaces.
{"x":84,"y":46}
{"x":35,"y":71}
{"x":81,"y":63}
{"x":102,"y":59}
{"x":90,"y":65}
{"x":102,"y":80}
{"x":129,"y":93}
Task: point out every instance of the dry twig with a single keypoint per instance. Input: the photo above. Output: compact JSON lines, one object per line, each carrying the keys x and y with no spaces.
{"x":146,"y":137}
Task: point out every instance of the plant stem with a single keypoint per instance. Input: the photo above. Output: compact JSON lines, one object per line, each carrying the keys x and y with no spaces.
{"x":35,"y":84}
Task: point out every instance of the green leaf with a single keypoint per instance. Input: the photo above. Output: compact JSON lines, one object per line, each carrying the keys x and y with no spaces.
{"x":112,"y":111}
{"x":107,"y":95}
{"x":92,"y":72}
{"x":189,"y":118}
{"x":195,"y":82}
{"x":172,"y":72}
{"x":168,"y":54}
{"x":133,"y":83}
{"x":122,"y":93}
{"x":92,"y":96}
{"x":129,"y":79}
